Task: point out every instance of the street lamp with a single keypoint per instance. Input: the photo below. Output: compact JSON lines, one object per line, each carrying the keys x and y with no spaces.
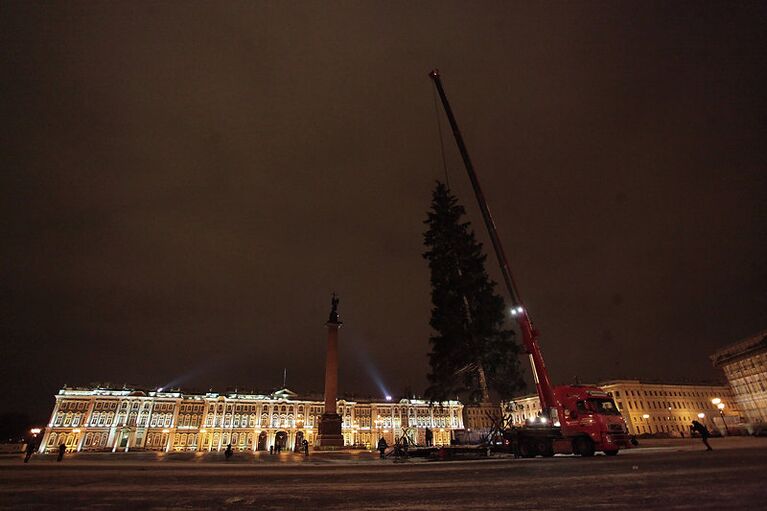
{"x":717,"y":402}
{"x":721,"y":412}
{"x":646,"y":418}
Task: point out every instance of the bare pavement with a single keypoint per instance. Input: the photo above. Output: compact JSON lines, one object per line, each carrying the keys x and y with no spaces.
{"x":671,"y":474}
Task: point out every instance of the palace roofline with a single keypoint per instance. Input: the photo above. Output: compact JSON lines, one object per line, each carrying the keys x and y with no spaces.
{"x":109,"y":389}
{"x":741,"y":349}
{"x":634,"y":381}
{"x":653,"y":381}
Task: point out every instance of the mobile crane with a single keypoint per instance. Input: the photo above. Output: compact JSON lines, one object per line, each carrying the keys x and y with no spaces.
{"x":576,"y":419}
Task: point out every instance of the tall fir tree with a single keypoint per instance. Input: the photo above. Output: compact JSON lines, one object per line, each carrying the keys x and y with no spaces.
{"x":472,"y":353}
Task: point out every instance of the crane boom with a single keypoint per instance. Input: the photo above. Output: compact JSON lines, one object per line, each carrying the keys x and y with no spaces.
{"x":518,"y":310}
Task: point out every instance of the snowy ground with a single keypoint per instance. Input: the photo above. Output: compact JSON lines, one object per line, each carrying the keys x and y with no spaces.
{"x":674,"y":474}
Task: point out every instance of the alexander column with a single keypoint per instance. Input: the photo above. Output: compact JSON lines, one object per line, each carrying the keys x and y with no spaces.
{"x":330,"y":423}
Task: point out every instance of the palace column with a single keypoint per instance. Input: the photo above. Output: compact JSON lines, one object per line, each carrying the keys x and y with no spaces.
{"x":330,"y":422}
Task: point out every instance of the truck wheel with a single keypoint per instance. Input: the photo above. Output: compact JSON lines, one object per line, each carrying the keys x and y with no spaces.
{"x":546,"y":448}
{"x":527,"y":449}
{"x":584,"y":446}
{"x":612,"y":452}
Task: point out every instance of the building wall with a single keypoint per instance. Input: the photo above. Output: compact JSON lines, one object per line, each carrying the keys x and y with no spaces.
{"x":745,"y":366}
{"x":96,"y":419}
{"x":480,"y":417}
{"x":652,"y":407}
{"x":664,"y":408}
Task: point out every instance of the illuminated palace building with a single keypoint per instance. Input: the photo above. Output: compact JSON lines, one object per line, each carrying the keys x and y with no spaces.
{"x":109,"y":419}
{"x":651,"y":408}
{"x":745,"y":365}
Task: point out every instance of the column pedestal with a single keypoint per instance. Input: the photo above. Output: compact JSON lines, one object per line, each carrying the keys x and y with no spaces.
{"x":329,"y":437}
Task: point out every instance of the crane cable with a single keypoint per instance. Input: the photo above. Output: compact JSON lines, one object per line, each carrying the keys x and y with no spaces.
{"x":441,"y":140}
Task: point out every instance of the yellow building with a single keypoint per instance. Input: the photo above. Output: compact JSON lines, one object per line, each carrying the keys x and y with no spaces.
{"x":745,"y":365}
{"x":108,"y":419}
{"x":651,"y":408}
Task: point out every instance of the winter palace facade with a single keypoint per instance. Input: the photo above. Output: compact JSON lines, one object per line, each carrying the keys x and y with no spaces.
{"x":110,"y":419}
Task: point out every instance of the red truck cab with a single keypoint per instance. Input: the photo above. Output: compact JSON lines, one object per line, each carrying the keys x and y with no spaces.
{"x":590,"y":421}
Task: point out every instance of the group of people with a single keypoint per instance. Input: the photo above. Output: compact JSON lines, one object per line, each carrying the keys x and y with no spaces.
{"x":402,"y":444}
{"x":273,"y":449}
{"x":32,"y":447}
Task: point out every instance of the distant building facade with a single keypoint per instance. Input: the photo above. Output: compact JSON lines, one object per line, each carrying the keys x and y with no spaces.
{"x":109,"y":419}
{"x":651,"y":407}
{"x":481,"y":417}
{"x":745,"y":365}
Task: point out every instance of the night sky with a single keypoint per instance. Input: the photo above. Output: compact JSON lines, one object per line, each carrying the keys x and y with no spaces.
{"x":183,"y":185}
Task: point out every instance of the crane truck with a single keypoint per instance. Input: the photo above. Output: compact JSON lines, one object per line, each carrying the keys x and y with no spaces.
{"x":574,"y":419}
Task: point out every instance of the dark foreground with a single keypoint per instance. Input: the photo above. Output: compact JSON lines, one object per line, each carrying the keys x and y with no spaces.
{"x":671,"y":476}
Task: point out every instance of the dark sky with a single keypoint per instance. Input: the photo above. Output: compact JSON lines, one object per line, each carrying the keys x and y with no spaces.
{"x":184,"y":184}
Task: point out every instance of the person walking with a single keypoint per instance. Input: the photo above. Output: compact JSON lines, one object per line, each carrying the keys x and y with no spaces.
{"x":703,"y":431}
{"x":228,"y":452}
{"x":429,"y":437}
{"x":382,"y":445}
{"x":305,"y":445}
{"x":29,"y":450}
{"x":62,"y":450}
